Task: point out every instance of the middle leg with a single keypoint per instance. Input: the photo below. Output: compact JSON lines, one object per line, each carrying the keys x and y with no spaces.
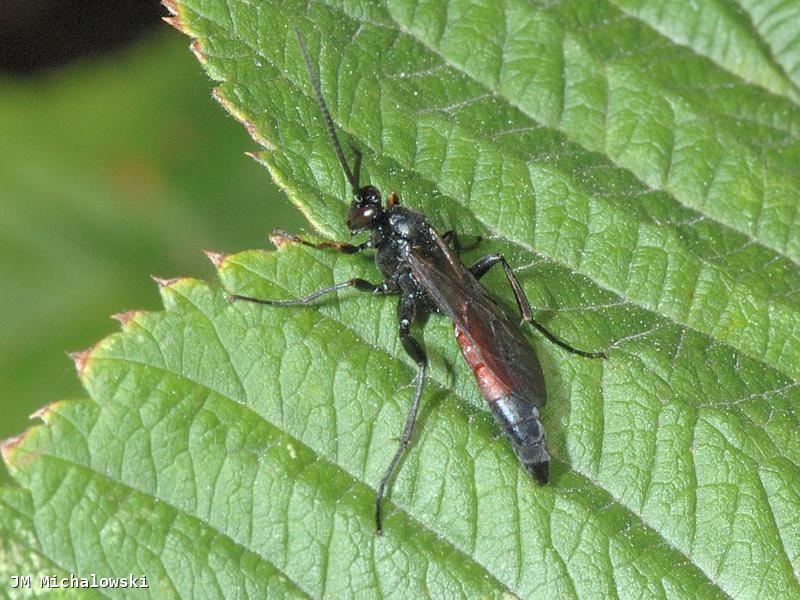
{"x":406,"y":312}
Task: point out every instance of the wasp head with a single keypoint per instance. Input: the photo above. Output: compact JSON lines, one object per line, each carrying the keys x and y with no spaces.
{"x":366,"y":207}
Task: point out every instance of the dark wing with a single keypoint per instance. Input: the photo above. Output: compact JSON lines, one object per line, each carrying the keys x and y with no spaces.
{"x":501,"y":345}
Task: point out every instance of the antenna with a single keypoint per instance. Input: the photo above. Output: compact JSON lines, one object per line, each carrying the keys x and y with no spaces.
{"x":326,"y":116}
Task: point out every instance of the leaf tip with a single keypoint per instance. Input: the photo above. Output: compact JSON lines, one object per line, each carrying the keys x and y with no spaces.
{"x":256,"y":156}
{"x":81,"y":360}
{"x":280,"y":238}
{"x":216,"y":258}
{"x":8,"y":445}
{"x":165,"y":283}
{"x":13,"y":459}
{"x":41,"y":413}
{"x":124,"y":318}
{"x":171,"y":6}
{"x":175,"y":21}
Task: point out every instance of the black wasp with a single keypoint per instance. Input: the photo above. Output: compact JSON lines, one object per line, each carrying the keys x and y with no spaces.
{"x":423,"y":268}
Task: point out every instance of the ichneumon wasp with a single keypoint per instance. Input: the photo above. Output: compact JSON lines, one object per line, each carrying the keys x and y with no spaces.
{"x":424,"y":270}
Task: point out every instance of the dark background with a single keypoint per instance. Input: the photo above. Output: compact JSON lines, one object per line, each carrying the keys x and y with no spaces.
{"x":36,"y":35}
{"x":117,"y":165}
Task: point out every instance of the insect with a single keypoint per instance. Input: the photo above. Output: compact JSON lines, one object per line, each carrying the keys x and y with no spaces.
{"x":424,"y":269}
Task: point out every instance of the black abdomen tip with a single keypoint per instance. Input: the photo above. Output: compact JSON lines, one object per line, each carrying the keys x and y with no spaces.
{"x":540,"y":471}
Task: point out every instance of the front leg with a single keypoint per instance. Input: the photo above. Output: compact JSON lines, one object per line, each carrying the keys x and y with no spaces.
{"x":280,"y":237}
{"x":360,"y":284}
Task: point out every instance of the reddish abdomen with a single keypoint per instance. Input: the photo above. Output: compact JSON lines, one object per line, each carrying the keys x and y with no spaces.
{"x":517,"y":416}
{"x":491,"y":387}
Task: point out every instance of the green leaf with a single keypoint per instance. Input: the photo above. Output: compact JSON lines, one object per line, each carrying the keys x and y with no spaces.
{"x":645,"y":190}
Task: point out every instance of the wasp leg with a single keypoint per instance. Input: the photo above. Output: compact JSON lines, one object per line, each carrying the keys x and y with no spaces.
{"x":480,"y":268}
{"x":359,"y":284}
{"x":451,"y":239}
{"x":279,"y":236}
{"x":406,"y":311}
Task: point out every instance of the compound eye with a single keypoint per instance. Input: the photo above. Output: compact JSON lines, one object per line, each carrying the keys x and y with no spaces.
{"x":360,"y":217}
{"x":365,"y":213}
